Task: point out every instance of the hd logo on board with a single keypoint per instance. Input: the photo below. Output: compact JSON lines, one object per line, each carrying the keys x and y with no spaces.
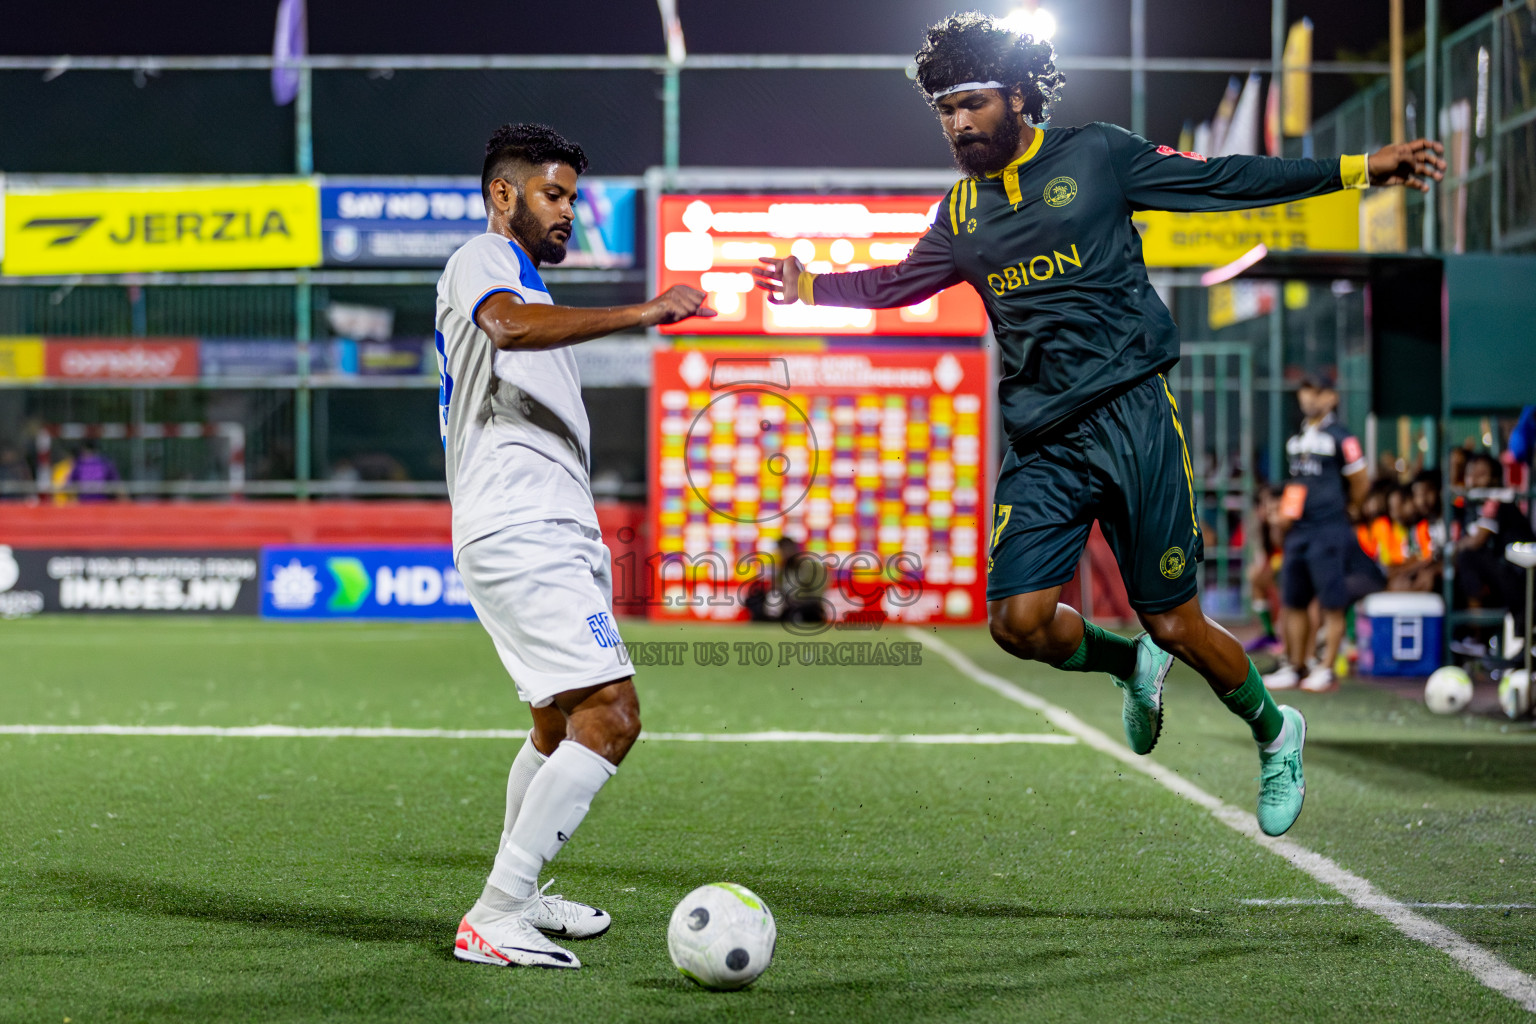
{"x":308,"y":582}
{"x":171,"y":227}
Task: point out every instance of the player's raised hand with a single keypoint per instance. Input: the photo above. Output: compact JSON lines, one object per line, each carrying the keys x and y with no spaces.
{"x":676,"y":303}
{"x":779,"y":278}
{"x":1411,"y":164}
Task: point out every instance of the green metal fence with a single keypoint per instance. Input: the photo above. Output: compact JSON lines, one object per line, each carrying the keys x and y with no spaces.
{"x":1485,"y":99}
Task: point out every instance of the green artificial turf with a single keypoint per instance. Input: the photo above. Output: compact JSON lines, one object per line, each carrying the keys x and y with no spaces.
{"x":302,"y":879}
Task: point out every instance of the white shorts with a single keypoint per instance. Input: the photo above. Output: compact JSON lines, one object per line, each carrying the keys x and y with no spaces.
{"x":544,"y":591}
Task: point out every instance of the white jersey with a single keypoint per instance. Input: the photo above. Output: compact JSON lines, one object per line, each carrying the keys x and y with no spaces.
{"x":515,"y":434}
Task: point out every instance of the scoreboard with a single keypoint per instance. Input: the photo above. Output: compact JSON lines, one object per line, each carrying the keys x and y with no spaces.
{"x":712,"y":242}
{"x":875,"y":460}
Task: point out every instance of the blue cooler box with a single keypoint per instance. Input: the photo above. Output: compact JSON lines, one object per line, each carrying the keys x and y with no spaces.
{"x":1400,"y":634}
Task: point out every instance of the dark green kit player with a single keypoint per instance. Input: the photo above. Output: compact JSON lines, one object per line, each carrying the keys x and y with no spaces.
{"x":1041,"y":228}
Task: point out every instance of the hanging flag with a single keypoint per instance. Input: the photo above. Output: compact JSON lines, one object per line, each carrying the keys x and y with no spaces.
{"x":1242,"y":135}
{"x":1272,"y":118}
{"x":1203,"y":138}
{"x":290,"y":41}
{"x":1223,"y":118}
{"x":1298,"y":82}
{"x":672,"y":27}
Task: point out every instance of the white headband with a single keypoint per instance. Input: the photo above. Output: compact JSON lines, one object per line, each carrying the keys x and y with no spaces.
{"x":965,"y":87}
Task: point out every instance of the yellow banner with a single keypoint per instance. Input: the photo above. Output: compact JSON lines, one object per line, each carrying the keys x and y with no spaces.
{"x":1297,"y":117}
{"x":1329,"y":223}
{"x":1384,"y":220}
{"x":173,"y":227}
{"x":21,"y":358}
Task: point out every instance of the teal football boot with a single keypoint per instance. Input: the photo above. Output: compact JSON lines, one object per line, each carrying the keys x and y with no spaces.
{"x":1282,"y":787}
{"x":1143,"y":710}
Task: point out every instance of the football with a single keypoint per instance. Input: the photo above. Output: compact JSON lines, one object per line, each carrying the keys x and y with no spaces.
{"x":1515,"y":693}
{"x":1448,"y":690}
{"x":722,"y":936}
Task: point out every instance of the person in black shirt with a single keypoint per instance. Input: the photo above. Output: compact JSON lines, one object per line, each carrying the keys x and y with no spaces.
{"x":1329,"y":478}
{"x":1490,"y":521}
{"x":1041,"y":226}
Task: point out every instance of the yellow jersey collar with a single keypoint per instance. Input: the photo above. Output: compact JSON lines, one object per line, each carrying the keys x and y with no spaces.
{"x":1010,"y":174}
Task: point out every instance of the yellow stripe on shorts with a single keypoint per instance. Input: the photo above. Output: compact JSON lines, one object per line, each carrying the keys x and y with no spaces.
{"x":1189,"y":472}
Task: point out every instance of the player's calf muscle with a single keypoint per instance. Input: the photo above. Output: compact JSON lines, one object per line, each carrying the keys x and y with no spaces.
{"x":1033,"y":626}
{"x":604,"y":719}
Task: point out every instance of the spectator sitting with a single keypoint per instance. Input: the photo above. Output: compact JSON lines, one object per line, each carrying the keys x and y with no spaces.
{"x":93,"y":475}
{"x":1426,"y":494}
{"x":799,"y":581}
{"x":1489,"y":522}
{"x":1413,"y":565}
{"x":1374,"y":529}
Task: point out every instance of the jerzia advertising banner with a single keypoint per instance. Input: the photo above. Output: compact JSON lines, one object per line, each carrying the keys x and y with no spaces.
{"x":307,"y":582}
{"x":190,"y":226}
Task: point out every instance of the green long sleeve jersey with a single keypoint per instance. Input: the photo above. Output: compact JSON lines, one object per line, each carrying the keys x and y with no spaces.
{"x":1049,"y":245}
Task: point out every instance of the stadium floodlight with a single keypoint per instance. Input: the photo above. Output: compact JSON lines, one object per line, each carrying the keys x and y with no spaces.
{"x":1033,"y":20}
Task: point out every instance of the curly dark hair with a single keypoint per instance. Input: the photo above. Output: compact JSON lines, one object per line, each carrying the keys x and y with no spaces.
{"x":526,"y":146}
{"x":973,"y":47}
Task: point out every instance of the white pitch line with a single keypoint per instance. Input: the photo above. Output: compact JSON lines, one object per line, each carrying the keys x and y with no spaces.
{"x":356,"y":732}
{"x":1483,"y":965}
{"x":1291,"y":901}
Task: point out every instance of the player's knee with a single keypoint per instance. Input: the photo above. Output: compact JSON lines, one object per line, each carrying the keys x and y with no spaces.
{"x":1021,"y":629}
{"x":1174,"y":633}
{"x":609,"y":722}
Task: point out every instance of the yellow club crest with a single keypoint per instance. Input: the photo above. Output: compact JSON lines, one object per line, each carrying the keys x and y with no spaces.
{"x":1060,"y":191}
{"x":1172,"y":563}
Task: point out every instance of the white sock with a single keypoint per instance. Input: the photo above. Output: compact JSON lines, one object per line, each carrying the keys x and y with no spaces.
{"x":1278,"y":741}
{"x":524,"y":767}
{"x":557,"y":800}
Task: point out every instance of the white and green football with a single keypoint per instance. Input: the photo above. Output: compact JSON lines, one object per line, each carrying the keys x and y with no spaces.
{"x":722,"y":936}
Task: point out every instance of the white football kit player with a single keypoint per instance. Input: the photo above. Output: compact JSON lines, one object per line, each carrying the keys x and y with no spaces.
{"x":517,"y":447}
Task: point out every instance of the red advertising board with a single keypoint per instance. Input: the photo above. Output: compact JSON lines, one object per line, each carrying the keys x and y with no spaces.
{"x":875,"y":460}
{"x":121,"y":358}
{"x":712,"y":242}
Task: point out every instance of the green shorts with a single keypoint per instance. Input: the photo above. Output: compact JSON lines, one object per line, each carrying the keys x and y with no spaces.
{"x":1123,"y":463}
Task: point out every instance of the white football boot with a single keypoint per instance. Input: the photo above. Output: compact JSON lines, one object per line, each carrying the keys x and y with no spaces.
{"x":1283,"y":678}
{"x":507,"y":939}
{"x":1320,"y":680}
{"x":556,"y":915}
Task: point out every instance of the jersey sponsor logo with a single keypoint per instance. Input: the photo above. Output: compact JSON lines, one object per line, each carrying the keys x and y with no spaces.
{"x":1060,"y":191}
{"x":970,"y":226}
{"x":1036,"y":268}
{"x":1187,"y":154}
{"x":603,"y":630}
{"x":1172,"y":563}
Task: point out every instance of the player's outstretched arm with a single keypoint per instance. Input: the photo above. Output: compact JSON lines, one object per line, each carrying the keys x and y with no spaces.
{"x":511,"y":324}
{"x":1160,"y":178}
{"x":1410,"y":164}
{"x":928,"y":269}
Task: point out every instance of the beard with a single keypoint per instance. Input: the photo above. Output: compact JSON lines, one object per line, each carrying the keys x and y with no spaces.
{"x":984,"y":154}
{"x":536,"y":238}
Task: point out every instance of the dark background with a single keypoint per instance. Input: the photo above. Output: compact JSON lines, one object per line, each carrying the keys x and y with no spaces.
{"x":729,"y":117}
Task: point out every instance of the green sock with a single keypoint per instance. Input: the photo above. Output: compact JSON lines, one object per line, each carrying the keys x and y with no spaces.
{"x":1265,"y":619}
{"x":1252,"y":703}
{"x":1102,"y":651}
